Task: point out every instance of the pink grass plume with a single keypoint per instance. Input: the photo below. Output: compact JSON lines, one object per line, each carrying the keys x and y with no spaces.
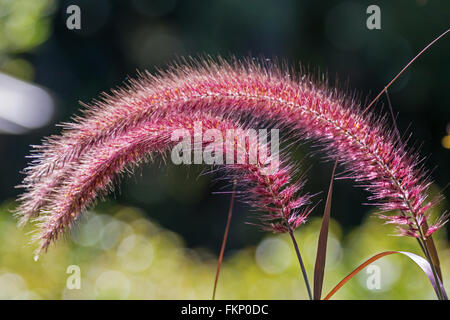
{"x":370,"y":152}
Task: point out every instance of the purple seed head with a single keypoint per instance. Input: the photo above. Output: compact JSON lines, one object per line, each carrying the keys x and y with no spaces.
{"x":91,"y":174}
{"x":370,"y":152}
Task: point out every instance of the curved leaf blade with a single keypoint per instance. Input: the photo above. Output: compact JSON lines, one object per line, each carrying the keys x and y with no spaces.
{"x":426,"y":268}
{"x":421,"y":262}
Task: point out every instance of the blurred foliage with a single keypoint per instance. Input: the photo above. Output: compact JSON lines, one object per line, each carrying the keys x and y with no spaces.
{"x":123,"y":255}
{"x":24,"y":25}
{"x":133,"y":257}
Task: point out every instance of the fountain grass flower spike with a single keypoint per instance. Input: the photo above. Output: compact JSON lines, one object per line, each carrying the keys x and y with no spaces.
{"x":61,"y":181}
{"x":371,"y":153}
{"x":91,"y":174}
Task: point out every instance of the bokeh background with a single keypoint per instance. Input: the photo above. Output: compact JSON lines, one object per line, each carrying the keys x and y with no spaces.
{"x":160,"y":234}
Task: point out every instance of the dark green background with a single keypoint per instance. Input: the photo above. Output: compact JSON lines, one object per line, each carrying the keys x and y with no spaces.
{"x":118,"y":37}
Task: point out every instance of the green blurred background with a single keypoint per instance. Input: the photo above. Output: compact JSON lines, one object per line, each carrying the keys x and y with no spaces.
{"x":159,"y":235}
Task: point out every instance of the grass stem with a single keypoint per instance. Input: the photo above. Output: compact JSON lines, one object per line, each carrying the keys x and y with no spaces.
{"x":224,"y":241}
{"x":302,"y":266}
